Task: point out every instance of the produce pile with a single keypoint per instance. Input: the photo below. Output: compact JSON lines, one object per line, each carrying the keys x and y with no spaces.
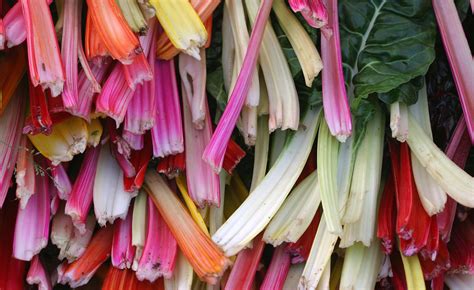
{"x":236,"y":144}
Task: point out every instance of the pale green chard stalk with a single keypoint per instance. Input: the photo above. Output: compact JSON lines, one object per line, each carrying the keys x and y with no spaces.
{"x":256,"y":211}
{"x":432,"y":196}
{"x":319,"y":257}
{"x":133,"y":15}
{"x":296,"y":213}
{"x":366,"y":188}
{"x":361,"y":266}
{"x":399,"y":121}
{"x":139,"y":227}
{"x":301,"y":42}
{"x":283,"y":98}
{"x":182,"y":278}
{"x":452,"y":179}
{"x":327,"y":152}
{"x":261,"y":152}
{"x":367,"y":171}
{"x":278,"y":143}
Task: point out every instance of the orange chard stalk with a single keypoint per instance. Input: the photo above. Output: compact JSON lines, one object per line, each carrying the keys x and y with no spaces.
{"x":46,"y":67}
{"x":205,"y":257}
{"x":13,"y":62}
{"x":79,"y":272}
{"x":117,"y":279}
{"x":95,"y":48}
{"x":116,"y":35}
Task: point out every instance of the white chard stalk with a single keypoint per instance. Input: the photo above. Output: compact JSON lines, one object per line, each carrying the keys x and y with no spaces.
{"x":257,"y":210}
{"x":139,"y":219}
{"x":319,"y":257}
{"x":111,"y":201}
{"x":399,"y":121}
{"x":453,"y":180}
{"x":432,"y":196}
{"x":182,"y":278}
{"x":296,"y":213}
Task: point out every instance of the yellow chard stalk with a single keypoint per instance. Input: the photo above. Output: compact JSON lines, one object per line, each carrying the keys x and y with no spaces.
{"x":182,"y":25}
{"x":67,"y":139}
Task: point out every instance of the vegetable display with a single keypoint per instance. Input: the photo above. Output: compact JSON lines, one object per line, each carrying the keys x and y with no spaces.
{"x":236,"y":144}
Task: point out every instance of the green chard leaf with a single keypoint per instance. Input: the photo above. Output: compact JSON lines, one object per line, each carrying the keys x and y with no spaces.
{"x":406,"y":93}
{"x":385,"y":43}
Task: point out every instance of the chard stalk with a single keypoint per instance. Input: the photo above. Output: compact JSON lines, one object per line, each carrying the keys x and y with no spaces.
{"x":243,"y":271}
{"x":461,"y":253}
{"x":15,"y":27}
{"x":293,"y":277}
{"x":459,"y":56}
{"x":79,"y":272}
{"x":399,"y":121}
{"x":201,"y":180}
{"x":32,"y":223}
{"x":193,"y":210}
{"x":46,"y":68}
{"x":167,"y":133}
{"x":133,"y":15}
{"x":215,"y":150}
{"x":69,"y":51}
{"x":204,"y":8}
{"x":302,"y":44}
{"x":232,"y":156}
{"x":135,"y":141}
{"x":261,"y":152}
{"x":313,"y":11}
{"x":122,"y":254}
{"x":113,"y":30}
{"x":115,"y":96}
{"x":139,"y":70}
{"x":320,"y":255}
{"x":139,"y":160}
{"x":189,"y":35}
{"x":172,"y":165}
{"x":159,"y":252}
{"x":327,"y":151}
{"x":335,"y":102}
{"x":25,"y":172}
{"x":37,"y":274}
{"x":387,"y":216}
{"x":94,"y":47}
{"x":413,"y":273}
{"x":87,"y":90}
{"x":13,"y":62}
{"x":216,"y":214}
{"x":432,"y":196}
{"x":71,"y":243}
{"x":193,"y":82}
{"x":459,"y":281}
{"x":79,"y":202}
{"x":257,"y":210}
{"x":235,"y":10}
{"x":283,"y":98}
{"x":361,"y":266}
{"x":278,"y":270}
{"x":300,"y":249}
{"x":139,"y":227}
{"x":452,"y":179}
{"x":182,"y":275}
{"x":40,"y":116}
{"x":296,"y":213}
{"x":111,"y":201}
{"x":367,"y":171}
{"x":206,"y":258}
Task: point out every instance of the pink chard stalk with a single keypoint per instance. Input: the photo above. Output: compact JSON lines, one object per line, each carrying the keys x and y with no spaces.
{"x":313,"y":11}
{"x":215,"y":150}
{"x":203,"y":183}
{"x":459,"y":55}
{"x":122,"y":250}
{"x":15,"y":30}
{"x":37,"y":275}
{"x":32,"y":222}
{"x":61,"y":181}
{"x":159,"y":254}
{"x":335,"y":103}
{"x":167,"y":133}
{"x":25,"y":172}
{"x":10,"y":133}
{"x":80,"y":200}
{"x":46,"y":68}
{"x":278,"y":269}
